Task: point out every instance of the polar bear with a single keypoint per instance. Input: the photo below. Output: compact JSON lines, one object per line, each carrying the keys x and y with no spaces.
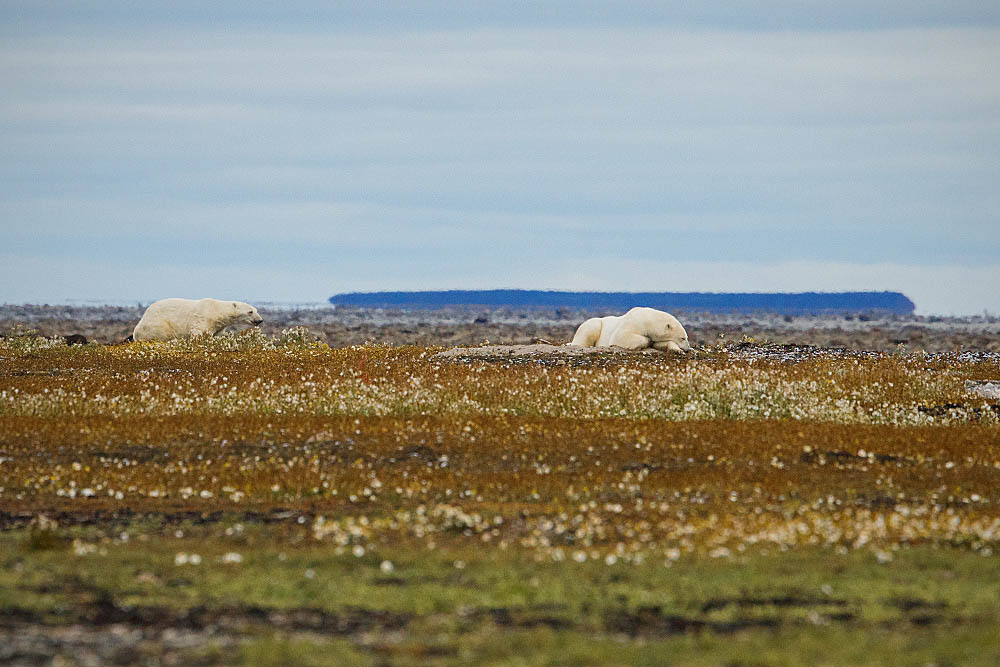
{"x":181,"y":318}
{"x":637,"y":329}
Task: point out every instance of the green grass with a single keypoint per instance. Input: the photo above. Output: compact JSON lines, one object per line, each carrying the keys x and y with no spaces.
{"x":313,"y":652}
{"x":455,"y":605}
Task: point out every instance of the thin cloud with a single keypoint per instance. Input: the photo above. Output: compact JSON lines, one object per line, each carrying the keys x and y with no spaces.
{"x":481,"y":148}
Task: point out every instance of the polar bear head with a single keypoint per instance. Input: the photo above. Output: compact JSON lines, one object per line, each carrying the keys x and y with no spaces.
{"x":244,"y":313}
{"x":663,"y":330}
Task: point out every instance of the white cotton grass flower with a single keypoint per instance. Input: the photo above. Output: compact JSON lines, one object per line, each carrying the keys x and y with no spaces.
{"x":81,"y":548}
{"x":232,"y":557}
{"x":386,"y":566}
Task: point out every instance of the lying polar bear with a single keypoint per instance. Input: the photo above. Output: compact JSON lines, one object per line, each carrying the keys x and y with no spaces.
{"x":637,"y":329}
{"x":182,"y":318}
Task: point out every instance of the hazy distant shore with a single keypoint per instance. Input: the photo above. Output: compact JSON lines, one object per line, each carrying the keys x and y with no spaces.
{"x":470,"y":326}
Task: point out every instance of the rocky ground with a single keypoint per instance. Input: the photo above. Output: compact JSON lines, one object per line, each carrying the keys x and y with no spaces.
{"x":471,"y":326}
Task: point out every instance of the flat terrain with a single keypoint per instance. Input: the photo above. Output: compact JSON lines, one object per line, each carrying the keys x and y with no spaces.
{"x":263,"y":498}
{"x":339,"y":327}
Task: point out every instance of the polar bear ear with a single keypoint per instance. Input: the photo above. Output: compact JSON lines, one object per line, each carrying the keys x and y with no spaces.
{"x":234,"y":305}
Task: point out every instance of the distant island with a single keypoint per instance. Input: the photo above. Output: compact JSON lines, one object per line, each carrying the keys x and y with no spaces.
{"x":799,"y":303}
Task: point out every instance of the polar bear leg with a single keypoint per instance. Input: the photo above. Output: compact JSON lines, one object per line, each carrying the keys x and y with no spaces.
{"x":588,"y":333}
{"x":630,"y":341}
{"x":150,"y":329}
{"x":200,"y":326}
{"x":668,"y":346}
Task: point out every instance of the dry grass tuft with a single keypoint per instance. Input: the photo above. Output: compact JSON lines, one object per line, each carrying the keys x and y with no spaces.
{"x":622,"y":458}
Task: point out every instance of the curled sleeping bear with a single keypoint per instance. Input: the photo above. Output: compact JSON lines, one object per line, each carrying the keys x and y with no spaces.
{"x":637,"y":329}
{"x":182,"y":318}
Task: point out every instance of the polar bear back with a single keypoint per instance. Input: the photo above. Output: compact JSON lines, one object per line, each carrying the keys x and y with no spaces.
{"x":182,"y":318}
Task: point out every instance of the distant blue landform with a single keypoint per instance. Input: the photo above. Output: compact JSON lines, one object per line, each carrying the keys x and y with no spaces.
{"x":783,"y":303}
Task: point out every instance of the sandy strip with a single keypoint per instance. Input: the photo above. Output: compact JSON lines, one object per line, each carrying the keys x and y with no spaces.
{"x":535,"y":350}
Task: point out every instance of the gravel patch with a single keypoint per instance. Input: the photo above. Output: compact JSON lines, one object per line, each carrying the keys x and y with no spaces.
{"x":467,"y":327}
{"x":985,"y":388}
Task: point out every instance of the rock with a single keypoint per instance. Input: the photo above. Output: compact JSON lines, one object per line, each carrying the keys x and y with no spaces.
{"x":985,"y":388}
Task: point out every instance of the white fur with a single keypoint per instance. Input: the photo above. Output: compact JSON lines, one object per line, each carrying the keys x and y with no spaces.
{"x":637,"y":329}
{"x":182,"y":318}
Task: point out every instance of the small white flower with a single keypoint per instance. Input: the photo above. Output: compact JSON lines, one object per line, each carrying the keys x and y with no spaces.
{"x":387,"y":566}
{"x":81,"y":548}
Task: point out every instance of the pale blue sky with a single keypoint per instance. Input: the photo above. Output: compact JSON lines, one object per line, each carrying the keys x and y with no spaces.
{"x":288,"y":152}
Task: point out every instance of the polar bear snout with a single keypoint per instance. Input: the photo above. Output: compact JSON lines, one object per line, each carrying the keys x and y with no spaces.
{"x":250,"y":314}
{"x":682,"y":346}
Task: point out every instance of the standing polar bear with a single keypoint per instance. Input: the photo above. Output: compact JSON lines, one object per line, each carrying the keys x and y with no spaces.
{"x":637,"y":329}
{"x":183,"y":318}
